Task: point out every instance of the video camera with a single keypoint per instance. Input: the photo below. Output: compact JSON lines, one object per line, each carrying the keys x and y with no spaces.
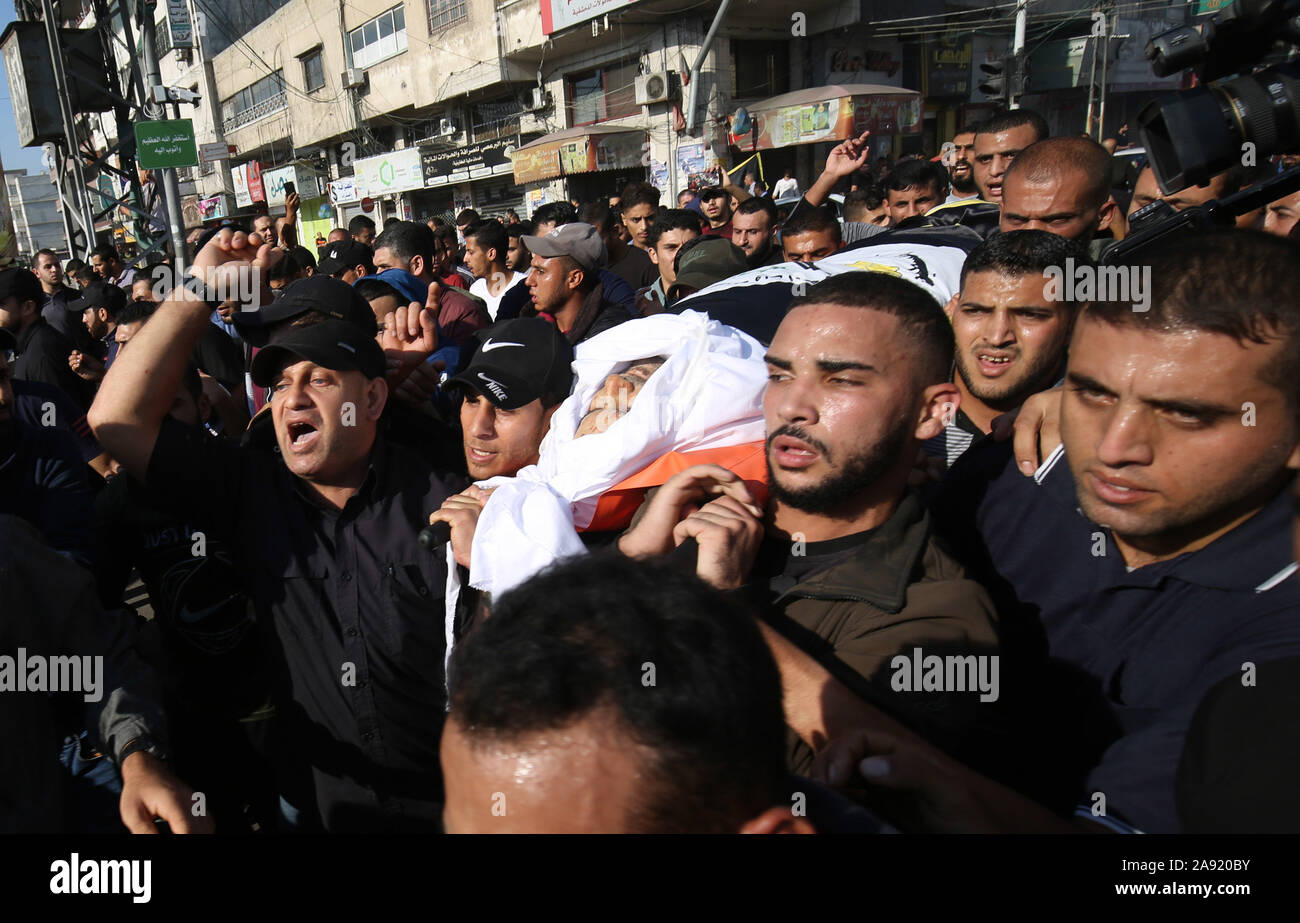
{"x":1192,"y":135}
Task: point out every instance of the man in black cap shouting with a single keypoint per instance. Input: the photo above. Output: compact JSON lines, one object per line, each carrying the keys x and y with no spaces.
{"x":41,"y":351}
{"x":566,"y":285}
{"x":326,"y":538}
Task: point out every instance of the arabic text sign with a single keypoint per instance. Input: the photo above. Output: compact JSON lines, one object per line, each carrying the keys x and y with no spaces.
{"x":178,"y":18}
{"x":274,"y":181}
{"x":389,"y":173}
{"x":344,"y":189}
{"x":537,"y":163}
{"x":166,"y":144}
{"x":560,"y":14}
{"x":489,"y":158}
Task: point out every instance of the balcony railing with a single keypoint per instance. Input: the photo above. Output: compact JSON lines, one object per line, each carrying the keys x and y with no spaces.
{"x":259,"y":111}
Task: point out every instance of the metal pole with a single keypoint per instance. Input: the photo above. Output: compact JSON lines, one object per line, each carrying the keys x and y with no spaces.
{"x":171,"y":188}
{"x":693,"y":95}
{"x":1018,"y":44}
{"x":69,"y":124}
{"x":1105,"y":58}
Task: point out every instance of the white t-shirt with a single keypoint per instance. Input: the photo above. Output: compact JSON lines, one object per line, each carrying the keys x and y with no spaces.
{"x":480,"y":288}
{"x":786,"y":187}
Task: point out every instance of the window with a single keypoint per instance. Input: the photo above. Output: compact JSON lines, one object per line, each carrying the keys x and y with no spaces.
{"x":313,"y":70}
{"x":759,"y":68}
{"x":497,"y":119}
{"x":604,"y":93}
{"x":443,"y":13}
{"x":254,"y":101}
{"x":381,"y":38}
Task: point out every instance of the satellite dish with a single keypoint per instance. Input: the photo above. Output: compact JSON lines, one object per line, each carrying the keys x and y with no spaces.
{"x":740,"y":123}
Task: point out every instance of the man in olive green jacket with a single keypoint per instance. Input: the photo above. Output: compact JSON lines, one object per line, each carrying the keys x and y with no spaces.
{"x":860,"y":606}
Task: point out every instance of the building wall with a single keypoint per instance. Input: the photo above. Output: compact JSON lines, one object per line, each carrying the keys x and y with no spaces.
{"x":37,"y":221}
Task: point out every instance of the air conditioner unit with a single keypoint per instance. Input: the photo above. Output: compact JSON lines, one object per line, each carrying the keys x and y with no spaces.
{"x":353,"y":77}
{"x":652,"y":88}
{"x":446,"y":128}
{"x":539,"y":99}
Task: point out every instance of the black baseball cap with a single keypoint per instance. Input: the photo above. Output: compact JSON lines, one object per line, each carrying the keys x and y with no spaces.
{"x":344,"y":254}
{"x":20,"y":284}
{"x":712,"y":192}
{"x":332,"y":297}
{"x":332,"y":344}
{"x":516,"y":362}
{"x":99,"y":294}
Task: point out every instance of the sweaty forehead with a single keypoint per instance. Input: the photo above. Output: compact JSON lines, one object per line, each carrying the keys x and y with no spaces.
{"x":830,"y":331}
{"x":1012,"y":139}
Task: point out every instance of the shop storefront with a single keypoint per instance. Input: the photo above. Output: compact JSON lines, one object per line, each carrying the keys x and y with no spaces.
{"x":829,"y":115}
{"x":478,"y":176}
{"x":595,"y":163}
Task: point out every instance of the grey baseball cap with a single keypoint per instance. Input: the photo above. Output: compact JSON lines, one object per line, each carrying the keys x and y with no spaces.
{"x":580,"y":242}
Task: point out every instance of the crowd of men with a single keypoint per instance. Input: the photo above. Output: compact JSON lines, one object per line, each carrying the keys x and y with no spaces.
{"x":1018,"y":562}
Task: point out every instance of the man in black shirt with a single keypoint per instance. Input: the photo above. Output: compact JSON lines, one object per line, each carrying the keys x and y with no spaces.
{"x":329,"y":553}
{"x":41,"y":351}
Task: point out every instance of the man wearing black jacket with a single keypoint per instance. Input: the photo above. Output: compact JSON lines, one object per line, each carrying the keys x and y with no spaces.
{"x":41,"y":352}
{"x":565,"y":285}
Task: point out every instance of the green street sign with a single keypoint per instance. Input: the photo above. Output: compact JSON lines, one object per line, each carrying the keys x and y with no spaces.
{"x":166,"y":144}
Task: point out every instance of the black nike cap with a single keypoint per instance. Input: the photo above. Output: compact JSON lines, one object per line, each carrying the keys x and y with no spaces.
{"x":518,"y":361}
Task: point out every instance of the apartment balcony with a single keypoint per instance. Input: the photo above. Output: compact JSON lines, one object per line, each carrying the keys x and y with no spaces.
{"x":274,"y":104}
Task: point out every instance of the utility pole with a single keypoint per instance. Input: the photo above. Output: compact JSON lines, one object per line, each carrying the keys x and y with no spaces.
{"x":64,"y":95}
{"x":152,"y":80}
{"x":1018,"y":54}
{"x":214,"y":101}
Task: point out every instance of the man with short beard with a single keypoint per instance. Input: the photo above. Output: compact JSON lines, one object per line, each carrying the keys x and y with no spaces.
{"x":961,"y":171}
{"x":1010,"y":335}
{"x":842,"y":561}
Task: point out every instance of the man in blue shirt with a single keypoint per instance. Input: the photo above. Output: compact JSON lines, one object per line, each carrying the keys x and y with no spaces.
{"x":1148,"y":559}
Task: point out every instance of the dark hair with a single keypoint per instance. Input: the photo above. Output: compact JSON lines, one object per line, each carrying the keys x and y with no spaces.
{"x":287,"y":267}
{"x":74,"y":264}
{"x":46,"y":251}
{"x":1047,"y":160}
{"x":756,"y":204}
{"x":358,"y":224}
{"x":673,"y":219}
{"x":812,"y":218}
{"x":106,"y":252}
{"x":491,"y":235}
{"x":467,"y":216}
{"x":597,"y":214}
{"x":919,"y":315}
{"x":304,"y":256}
{"x":559,"y":212}
{"x":583,"y":635}
{"x":861,"y":200}
{"x":370,"y":289}
{"x":1013,"y":118}
{"x":1023,"y":253}
{"x":638,"y":194}
{"x":390,"y":221}
{"x":439,"y":222}
{"x":135,"y":311}
{"x":407,"y":240}
{"x":919,"y":174}
{"x":1237,"y":283}
{"x":518,"y":229}
{"x":85,"y":275}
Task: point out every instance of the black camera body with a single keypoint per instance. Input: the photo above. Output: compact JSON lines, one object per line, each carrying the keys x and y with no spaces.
{"x":1194,"y":134}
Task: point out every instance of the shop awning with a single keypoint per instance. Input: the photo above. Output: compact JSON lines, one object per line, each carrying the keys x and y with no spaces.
{"x":578,"y":150}
{"x":831,"y":113}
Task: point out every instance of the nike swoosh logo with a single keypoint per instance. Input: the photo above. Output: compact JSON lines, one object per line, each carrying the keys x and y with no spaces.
{"x":489,"y":345}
